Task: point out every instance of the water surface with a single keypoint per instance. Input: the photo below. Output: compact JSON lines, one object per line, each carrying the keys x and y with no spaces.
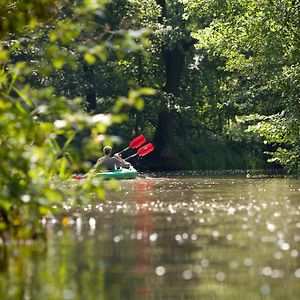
{"x":170,"y":237}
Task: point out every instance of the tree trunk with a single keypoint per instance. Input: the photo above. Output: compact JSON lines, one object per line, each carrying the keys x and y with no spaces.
{"x":174,"y":61}
{"x":165,"y":154}
{"x":164,"y":135}
{"x":90,"y":89}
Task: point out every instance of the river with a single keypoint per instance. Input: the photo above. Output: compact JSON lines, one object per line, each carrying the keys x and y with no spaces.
{"x":169,"y":236}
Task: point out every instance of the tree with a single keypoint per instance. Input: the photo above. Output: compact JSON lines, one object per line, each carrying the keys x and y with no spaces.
{"x":256,"y":44}
{"x":38,"y":123}
{"x":177,"y":42}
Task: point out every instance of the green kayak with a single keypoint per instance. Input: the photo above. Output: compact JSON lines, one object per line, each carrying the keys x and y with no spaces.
{"x":122,"y":173}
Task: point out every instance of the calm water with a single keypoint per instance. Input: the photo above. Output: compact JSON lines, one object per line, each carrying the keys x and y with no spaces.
{"x":172,"y":237}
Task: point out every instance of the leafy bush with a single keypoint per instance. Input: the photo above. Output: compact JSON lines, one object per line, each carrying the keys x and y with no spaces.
{"x":37,"y":127}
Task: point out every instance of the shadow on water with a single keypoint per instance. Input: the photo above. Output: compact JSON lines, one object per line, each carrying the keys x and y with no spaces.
{"x":169,"y":236}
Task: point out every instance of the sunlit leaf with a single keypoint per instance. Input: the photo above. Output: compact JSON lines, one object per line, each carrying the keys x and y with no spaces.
{"x":58,"y":62}
{"x":89,"y":58}
{"x":147,"y":91}
{"x":3,"y":55}
{"x":139,"y":103}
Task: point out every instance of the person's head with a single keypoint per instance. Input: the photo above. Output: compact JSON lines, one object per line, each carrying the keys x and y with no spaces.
{"x":107,"y":150}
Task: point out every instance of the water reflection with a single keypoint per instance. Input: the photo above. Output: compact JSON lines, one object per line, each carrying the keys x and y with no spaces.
{"x":168,"y":238}
{"x":144,"y":235}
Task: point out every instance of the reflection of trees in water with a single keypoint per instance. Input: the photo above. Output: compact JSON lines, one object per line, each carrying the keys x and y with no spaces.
{"x":3,"y":259}
{"x":126,"y":245}
{"x":144,"y":229}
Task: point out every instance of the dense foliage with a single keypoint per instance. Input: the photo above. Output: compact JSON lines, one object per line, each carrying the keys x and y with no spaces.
{"x":38,"y":123}
{"x":226,"y":75}
{"x":256,"y":44}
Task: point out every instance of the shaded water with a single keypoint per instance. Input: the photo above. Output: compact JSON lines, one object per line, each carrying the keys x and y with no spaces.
{"x":171,"y":237}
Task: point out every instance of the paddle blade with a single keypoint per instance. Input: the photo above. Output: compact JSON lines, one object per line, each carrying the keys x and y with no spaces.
{"x":137,"y":142}
{"x":79,"y":177}
{"x":145,"y":149}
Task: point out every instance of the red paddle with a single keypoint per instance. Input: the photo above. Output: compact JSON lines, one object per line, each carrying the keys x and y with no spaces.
{"x":135,"y":143}
{"x":146,"y":149}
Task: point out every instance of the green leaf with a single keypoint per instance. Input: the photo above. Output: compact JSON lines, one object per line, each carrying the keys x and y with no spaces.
{"x":3,"y":56}
{"x":58,"y":62}
{"x":53,"y":36}
{"x":89,"y":58}
{"x":147,"y":91}
{"x":139,"y":104}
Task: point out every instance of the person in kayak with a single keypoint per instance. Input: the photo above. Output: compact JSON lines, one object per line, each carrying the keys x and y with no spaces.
{"x":109,"y":162}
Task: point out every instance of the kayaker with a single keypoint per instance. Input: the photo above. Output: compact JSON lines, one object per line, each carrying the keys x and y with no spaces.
{"x":111,"y":162}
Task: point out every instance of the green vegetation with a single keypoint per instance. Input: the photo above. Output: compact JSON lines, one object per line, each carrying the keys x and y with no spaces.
{"x":38,"y":122}
{"x":256,"y":45}
{"x":226,"y":75}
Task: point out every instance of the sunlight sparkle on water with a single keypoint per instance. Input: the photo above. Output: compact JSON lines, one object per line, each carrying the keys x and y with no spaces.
{"x":265,"y":289}
{"x":248,"y":262}
{"x":153,"y":237}
{"x":231,"y":211}
{"x":285,"y":246}
{"x":139,"y":235}
{"x":187,"y":274}
{"x":160,"y":271}
{"x":294,"y":253}
{"x":220,"y":276}
{"x":278,"y":255}
{"x":194,"y":237}
{"x":297,"y":273}
{"x":215,"y":234}
{"x":229,"y":237}
{"x":267,"y":271}
{"x":202,"y":229}
{"x":92,"y":223}
{"x":178,"y":238}
{"x":271,"y":227}
{"x":118,"y":238}
{"x":197,"y":269}
{"x":233,"y":264}
{"x":204,"y":262}
{"x":185,"y":236}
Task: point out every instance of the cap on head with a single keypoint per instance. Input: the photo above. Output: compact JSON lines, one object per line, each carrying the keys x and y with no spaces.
{"x":107,"y":150}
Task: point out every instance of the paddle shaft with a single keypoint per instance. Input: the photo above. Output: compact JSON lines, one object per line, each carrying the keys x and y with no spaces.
{"x":142,"y":151}
{"x":135,"y":143}
{"x":123,"y":150}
